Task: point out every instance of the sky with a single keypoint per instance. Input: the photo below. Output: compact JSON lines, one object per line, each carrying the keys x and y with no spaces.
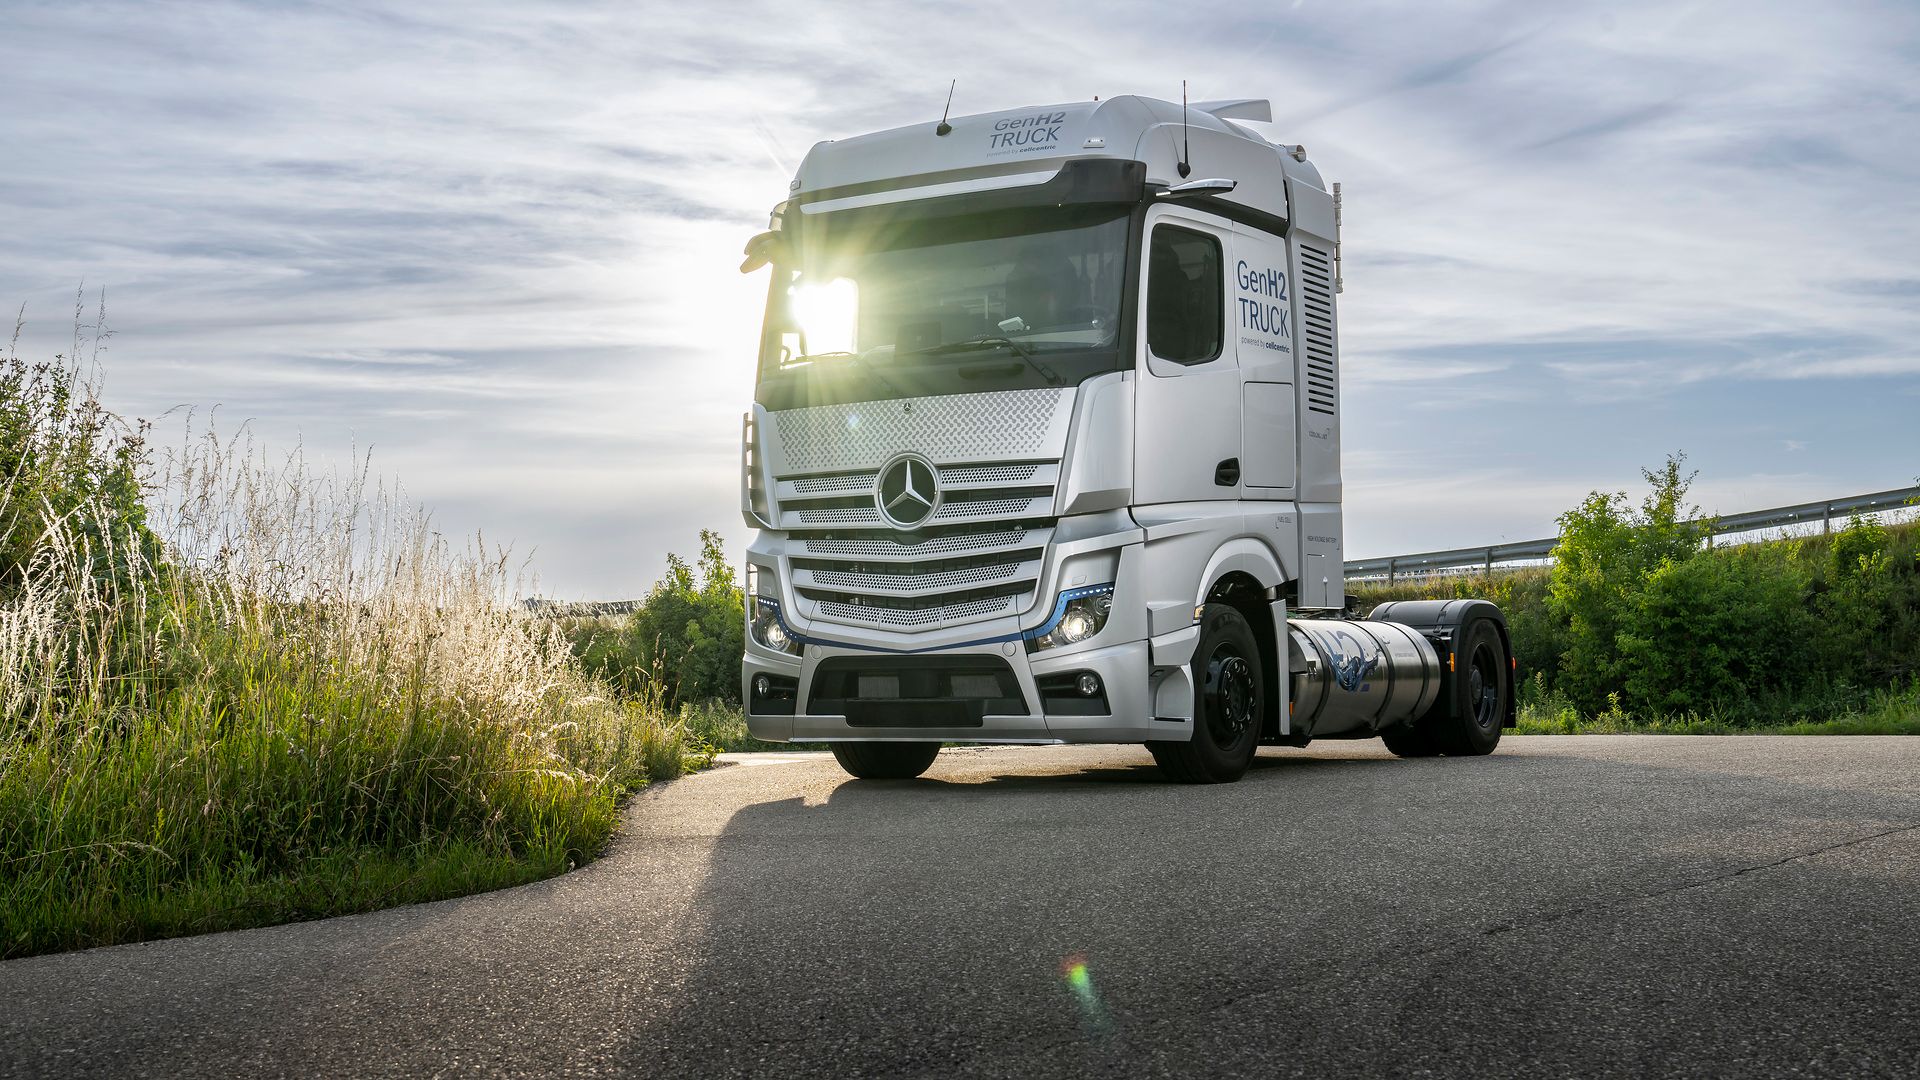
{"x":494,"y":246}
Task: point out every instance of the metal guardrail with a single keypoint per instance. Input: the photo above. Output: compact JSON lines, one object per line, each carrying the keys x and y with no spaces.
{"x":567,"y":609}
{"x":1486,"y":558}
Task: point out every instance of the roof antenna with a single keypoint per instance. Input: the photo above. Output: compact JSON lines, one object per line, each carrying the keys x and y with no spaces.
{"x":1186,"y":150}
{"x":945,"y":127}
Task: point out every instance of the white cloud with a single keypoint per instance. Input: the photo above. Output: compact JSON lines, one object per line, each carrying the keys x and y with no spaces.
{"x":498,"y":241}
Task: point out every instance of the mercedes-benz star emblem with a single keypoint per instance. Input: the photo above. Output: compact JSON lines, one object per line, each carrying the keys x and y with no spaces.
{"x":909,"y":492}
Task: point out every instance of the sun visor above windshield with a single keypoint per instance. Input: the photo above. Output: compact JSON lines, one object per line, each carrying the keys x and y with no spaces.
{"x":1078,"y":182}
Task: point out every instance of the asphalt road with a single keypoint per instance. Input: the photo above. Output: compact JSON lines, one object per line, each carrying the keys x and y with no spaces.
{"x":1576,"y":905}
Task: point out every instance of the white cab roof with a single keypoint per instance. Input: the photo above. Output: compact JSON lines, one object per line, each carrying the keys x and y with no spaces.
{"x":1028,"y":146}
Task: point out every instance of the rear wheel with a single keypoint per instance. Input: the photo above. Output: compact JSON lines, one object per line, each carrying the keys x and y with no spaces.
{"x":1226,"y":722}
{"x":1469,"y":723}
{"x":885,"y":760}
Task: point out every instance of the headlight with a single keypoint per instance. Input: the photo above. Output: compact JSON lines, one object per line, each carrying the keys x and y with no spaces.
{"x":768,"y":629}
{"x":1078,"y":616}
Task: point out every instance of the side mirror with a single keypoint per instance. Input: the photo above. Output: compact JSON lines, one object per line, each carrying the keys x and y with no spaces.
{"x":1215,"y":186}
{"x":760,"y":251}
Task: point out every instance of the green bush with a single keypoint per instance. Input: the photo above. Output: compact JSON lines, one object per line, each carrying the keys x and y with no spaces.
{"x":1710,"y":632}
{"x":71,"y":472}
{"x":1868,"y":610}
{"x":684,"y":642}
{"x":1606,"y":552}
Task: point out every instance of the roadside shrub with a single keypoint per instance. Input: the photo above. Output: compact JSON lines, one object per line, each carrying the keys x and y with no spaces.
{"x":683,"y":644}
{"x":1858,"y":549}
{"x":1868,"y":612}
{"x":71,"y":470}
{"x":1607,"y":550}
{"x":1709,"y":631}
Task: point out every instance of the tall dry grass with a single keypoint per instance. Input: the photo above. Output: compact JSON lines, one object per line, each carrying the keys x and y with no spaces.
{"x":260,"y":691}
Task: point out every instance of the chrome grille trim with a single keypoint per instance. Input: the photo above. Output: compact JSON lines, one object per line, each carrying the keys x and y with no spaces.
{"x":889,"y":549}
{"x":912,"y":582}
{"x":797,"y":492}
{"x":864,"y":513}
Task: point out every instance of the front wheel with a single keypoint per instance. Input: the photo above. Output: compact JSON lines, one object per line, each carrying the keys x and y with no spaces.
{"x":1232,"y":694}
{"x":886,"y":760}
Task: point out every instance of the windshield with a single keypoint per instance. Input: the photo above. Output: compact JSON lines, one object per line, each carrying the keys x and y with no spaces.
{"x":954,"y":298}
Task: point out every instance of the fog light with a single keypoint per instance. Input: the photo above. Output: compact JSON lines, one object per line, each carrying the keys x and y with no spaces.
{"x":762,"y":686}
{"x":1088,"y":684}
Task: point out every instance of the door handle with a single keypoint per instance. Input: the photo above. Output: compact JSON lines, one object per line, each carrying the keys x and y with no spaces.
{"x":1227,"y":473}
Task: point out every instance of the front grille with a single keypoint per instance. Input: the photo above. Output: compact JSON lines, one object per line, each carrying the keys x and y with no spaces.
{"x":978,"y":557}
{"x":978,"y":553}
{"x":873,"y":580}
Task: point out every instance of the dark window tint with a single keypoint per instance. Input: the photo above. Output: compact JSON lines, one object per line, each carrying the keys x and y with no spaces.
{"x":1185,"y":305}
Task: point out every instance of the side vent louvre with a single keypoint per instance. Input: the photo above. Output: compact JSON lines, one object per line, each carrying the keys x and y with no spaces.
{"x":1316,"y":318}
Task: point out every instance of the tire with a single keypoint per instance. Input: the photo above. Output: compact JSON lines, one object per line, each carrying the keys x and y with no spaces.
{"x":1230,"y":684}
{"x":885,"y":760}
{"x":1467,"y":725}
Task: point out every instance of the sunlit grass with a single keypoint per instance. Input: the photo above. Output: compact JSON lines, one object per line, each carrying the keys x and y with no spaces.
{"x":266,"y":693}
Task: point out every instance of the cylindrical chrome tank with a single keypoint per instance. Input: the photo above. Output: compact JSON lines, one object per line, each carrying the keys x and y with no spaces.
{"x":1350,"y":674}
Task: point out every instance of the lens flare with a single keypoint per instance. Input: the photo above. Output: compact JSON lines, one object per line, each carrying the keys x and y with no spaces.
{"x":827,"y":312}
{"x":1093,"y":1012}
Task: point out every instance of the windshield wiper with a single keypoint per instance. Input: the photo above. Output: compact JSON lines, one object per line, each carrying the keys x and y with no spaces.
{"x":1025,"y":354}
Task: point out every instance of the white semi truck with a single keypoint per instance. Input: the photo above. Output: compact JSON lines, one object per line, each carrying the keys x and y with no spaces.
{"x":1045,"y":448}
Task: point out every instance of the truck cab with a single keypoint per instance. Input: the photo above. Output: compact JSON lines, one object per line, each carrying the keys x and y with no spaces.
{"x":1045,"y":447}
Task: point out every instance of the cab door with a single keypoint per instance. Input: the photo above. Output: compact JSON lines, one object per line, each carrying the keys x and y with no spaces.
{"x":1261,"y":284}
{"x":1187,"y":445}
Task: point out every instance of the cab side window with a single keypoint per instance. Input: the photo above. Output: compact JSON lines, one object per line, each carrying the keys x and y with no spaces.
{"x":1185,"y":295}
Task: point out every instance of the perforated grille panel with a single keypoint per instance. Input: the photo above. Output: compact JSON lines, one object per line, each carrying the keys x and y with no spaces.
{"x":845,"y":515}
{"x":988,"y":474}
{"x":1316,"y":329}
{"x":850,"y":484}
{"x":917,"y":617}
{"x":966,"y":427}
{"x":953,"y":511}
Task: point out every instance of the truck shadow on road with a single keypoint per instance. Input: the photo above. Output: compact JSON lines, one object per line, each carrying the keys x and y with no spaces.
{"x":924,"y":926}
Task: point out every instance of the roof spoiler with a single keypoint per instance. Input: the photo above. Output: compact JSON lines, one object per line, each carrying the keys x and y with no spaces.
{"x":1259,"y":109}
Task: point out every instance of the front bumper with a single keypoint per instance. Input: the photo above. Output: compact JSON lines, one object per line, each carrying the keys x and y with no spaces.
{"x":1124,"y":670}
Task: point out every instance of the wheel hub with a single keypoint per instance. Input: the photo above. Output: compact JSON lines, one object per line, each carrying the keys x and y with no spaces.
{"x":1230,"y":695}
{"x":1483,"y":689}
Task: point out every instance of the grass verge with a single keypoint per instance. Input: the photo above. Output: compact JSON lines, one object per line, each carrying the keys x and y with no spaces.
{"x":1876,"y":712}
{"x":235,"y":693}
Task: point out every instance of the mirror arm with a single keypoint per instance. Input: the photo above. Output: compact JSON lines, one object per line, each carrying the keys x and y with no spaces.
{"x":1218,"y":185}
